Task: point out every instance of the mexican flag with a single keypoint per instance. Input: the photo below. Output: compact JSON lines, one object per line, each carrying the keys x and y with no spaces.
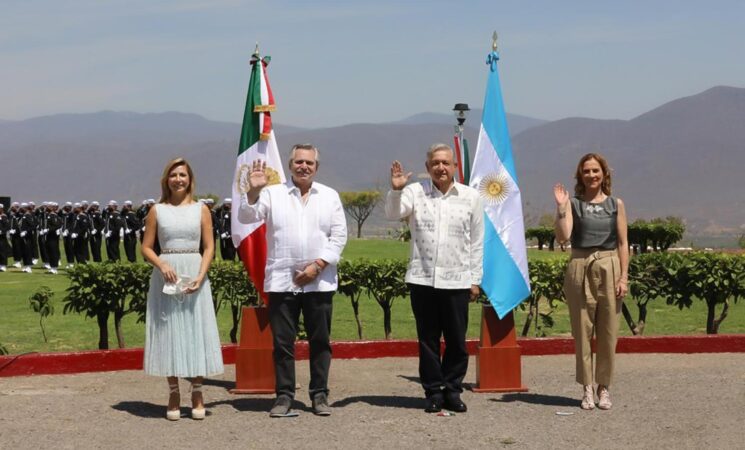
{"x":257,"y":142}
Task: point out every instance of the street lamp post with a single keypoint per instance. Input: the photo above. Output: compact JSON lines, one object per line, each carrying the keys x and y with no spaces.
{"x":461,"y":145}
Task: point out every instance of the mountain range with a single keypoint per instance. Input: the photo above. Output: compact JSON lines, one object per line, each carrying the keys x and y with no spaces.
{"x":684,"y":158}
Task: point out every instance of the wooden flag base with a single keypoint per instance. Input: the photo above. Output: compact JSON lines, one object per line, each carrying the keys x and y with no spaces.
{"x":498,"y":367}
{"x":254,"y":363}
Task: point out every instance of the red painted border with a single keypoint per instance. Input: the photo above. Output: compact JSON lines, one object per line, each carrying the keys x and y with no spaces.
{"x":131,"y":359}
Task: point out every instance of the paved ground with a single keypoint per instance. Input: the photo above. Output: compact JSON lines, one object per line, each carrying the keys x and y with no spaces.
{"x":660,"y":401}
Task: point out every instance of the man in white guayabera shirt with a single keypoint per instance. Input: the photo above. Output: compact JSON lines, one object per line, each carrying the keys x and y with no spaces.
{"x":446,"y":219}
{"x":306,"y":231}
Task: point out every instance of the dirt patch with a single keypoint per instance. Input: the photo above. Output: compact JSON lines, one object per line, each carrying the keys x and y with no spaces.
{"x":660,"y":401}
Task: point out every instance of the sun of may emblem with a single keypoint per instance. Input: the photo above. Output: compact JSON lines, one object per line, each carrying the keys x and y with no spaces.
{"x":494,"y":188}
{"x":245,"y":169}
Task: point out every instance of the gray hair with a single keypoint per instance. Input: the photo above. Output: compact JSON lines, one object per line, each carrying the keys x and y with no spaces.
{"x":436,"y":148}
{"x":304,"y":147}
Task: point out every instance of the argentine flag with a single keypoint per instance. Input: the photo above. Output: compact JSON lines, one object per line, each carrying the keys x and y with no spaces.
{"x":505,"y":280}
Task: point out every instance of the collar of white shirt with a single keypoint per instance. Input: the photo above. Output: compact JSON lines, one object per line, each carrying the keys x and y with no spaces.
{"x":431,"y":190}
{"x":291,"y":188}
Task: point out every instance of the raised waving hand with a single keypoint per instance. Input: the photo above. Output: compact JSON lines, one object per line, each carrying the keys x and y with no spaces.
{"x":399,"y":178}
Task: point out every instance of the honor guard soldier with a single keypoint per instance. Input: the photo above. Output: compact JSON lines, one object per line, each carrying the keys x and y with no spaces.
{"x":113,"y":231}
{"x":141,"y":213}
{"x":4,"y":244}
{"x":211,"y":206}
{"x":53,"y":225}
{"x":40,"y":217}
{"x":131,"y":225}
{"x":227,"y":249}
{"x":41,"y":226}
{"x":68,"y":219}
{"x":16,"y":243}
{"x":97,"y":226}
{"x":80,"y":232}
{"x":27,"y":226}
{"x":35,"y":233}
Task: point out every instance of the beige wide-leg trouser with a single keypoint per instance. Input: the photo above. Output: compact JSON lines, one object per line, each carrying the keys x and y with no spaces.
{"x":590,"y":291}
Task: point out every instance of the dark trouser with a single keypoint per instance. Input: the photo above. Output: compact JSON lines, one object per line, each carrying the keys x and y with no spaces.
{"x":35,"y":245}
{"x":284,"y":313}
{"x":130,"y":244}
{"x":441,"y":312}
{"x":4,"y":250}
{"x":227,"y":250}
{"x":42,"y":239}
{"x":28,"y":250}
{"x":52,"y":247}
{"x":112,"y":249}
{"x":95,"y":242}
{"x":17,"y":243}
{"x":69,"y":252}
{"x":80,"y":245}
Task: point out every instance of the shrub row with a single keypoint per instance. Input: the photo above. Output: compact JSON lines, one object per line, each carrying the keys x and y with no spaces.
{"x":116,"y":289}
{"x":643,"y":236}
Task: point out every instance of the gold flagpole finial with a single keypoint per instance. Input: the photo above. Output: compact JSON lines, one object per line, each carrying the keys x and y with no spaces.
{"x":494,"y":42}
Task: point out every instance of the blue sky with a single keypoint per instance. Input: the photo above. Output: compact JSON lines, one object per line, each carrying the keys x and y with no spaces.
{"x":342,"y":62}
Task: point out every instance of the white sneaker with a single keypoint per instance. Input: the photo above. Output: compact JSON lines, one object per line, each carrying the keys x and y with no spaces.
{"x":69,"y":266}
{"x":47,"y":266}
{"x":53,"y":271}
{"x":17,"y":265}
{"x":27,"y":269}
{"x":2,"y":269}
{"x":34,"y":261}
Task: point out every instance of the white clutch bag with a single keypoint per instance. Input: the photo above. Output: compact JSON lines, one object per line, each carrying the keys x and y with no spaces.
{"x":178,"y":287}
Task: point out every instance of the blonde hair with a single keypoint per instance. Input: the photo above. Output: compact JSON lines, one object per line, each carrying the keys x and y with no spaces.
{"x":165,"y":190}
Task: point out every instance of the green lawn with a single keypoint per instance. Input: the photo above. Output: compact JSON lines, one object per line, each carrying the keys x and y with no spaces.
{"x":20,"y":332}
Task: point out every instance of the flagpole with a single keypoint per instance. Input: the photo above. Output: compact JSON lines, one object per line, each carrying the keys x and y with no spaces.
{"x":505,"y":280}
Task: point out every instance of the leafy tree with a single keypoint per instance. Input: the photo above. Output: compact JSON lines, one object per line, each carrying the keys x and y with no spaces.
{"x":546,"y":282}
{"x":649,"y":278}
{"x":638,"y":235}
{"x":99,"y":290}
{"x":544,"y":236}
{"x":715,"y":278}
{"x":658,"y":233}
{"x":359,"y":206}
{"x":384,"y":281}
{"x":351,"y":283}
{"x":41,"y":302}
{"x":231,"y":286}
{"x":666,"y":232}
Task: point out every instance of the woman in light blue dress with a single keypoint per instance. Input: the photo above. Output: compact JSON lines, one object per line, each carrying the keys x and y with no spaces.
{"x":181,"y":331}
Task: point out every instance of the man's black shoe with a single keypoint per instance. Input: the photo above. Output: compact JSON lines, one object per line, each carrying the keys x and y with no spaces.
{"x":455,"y":404}
{"x":433,"y":404}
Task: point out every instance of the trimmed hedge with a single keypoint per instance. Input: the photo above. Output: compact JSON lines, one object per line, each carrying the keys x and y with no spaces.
{"x":117,"y":289}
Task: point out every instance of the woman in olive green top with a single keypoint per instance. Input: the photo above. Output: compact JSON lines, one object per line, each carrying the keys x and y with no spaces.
{"x":597,"y":275}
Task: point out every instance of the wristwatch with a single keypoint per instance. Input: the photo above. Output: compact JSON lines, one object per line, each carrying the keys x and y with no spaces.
{"x":318,"y":267}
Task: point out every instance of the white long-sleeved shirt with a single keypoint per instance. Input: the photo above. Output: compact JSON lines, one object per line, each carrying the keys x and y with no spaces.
{"x":298,"y":233}
{"x":447,"y":233}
